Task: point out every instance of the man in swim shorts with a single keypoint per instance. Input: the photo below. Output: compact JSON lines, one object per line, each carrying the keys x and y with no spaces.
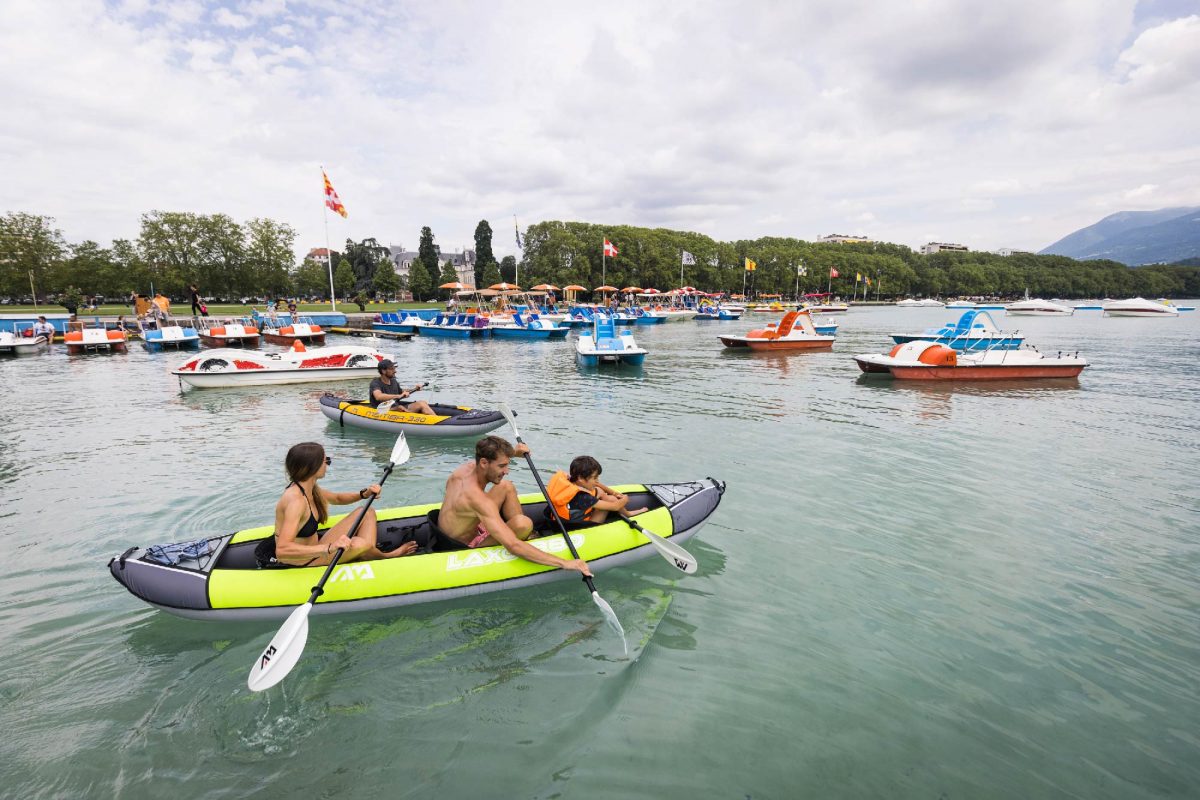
{"x":475,"y":516}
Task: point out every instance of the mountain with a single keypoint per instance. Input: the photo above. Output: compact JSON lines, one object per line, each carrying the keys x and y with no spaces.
{"x":1136,"y":237}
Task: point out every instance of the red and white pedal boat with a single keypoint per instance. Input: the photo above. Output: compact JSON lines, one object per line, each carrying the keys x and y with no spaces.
{"x":289,"y":330}
{"x":81,"y":338}
{"x":794,"y":332}
{"x":930,"y":361}
{"x":229,"y":367}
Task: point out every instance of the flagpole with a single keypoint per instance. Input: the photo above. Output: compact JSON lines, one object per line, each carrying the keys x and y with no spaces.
{"x":829,"y":283}
{"x":517,"y":266}
{"x":328,"y":249}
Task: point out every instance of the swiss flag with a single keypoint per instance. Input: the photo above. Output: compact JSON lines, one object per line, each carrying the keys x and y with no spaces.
{"x":610,"y":249}
{"x":833,"y":273}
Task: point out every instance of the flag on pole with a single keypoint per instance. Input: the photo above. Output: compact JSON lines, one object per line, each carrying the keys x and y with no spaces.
{"x":610,"y":249}
{"x":833,"y":273}
{"x":868,"y":281}
{"x":750,"y":265}
{"x":801,"y":270}
{"x":517,"y":231}
{"x":688,"y":258}
{"x":858,"y":277}
{"x":331,"y":197}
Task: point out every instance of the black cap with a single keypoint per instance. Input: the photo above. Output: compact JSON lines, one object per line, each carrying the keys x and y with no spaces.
{"x":387,"y":363}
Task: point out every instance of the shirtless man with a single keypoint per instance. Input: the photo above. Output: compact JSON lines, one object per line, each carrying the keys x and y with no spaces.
{"x":478,"y":517}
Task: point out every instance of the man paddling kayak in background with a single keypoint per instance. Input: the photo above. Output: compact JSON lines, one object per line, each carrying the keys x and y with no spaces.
{"x":475,"y":516}
{"x":386,"y":387}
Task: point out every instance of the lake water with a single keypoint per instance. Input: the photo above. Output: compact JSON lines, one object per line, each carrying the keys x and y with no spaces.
{"x":908,"y":591}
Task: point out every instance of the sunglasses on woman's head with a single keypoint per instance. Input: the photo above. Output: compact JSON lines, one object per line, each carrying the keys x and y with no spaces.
{"x":328,"y":461}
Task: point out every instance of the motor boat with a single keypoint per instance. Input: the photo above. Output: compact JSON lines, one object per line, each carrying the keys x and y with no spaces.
{"x":1038,"y":308}
{"x":794,"y":332}
{"x":227,"y":333}
{"x":974,"y":330}
{"x":236,"y":367}
{"x":21,"y":340}
{"x":914,"y":303}
{"x":602,"y":345}
{"x":1139,"y":307}
{"x":930,"y":361}
{"x":960,"y":304}
{"x":826,"y":308}
{"x":96,"y":338}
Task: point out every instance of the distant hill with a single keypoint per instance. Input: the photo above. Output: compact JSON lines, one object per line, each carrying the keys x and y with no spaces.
{"x":1136,"y":237}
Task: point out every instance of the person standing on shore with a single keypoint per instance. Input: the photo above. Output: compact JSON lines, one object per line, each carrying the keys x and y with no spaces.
{"x":194,"y":296}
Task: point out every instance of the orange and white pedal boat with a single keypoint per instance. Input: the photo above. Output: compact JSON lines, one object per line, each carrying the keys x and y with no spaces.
{"x":930,"y":361}
{"x":236,"y":367}
{"x":794,"y":332}
{"x":216,"y":333}
{"x":287,"y":331}
{"x":81,"y":338}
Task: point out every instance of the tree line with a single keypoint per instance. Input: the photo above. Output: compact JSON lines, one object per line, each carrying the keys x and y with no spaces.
{"x":228,"y":259}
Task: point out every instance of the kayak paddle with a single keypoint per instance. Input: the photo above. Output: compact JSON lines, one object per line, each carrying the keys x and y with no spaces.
{"x":285,"y":649}
{"x":610,"y":616}
{"x":386,"y":405}
{"x":674,"y":554}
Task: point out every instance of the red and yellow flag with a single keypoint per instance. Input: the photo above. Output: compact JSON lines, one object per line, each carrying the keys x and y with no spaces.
{"x":331,"y":197}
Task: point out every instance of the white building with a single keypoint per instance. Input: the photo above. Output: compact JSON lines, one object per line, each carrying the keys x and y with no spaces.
{"x":935,"y":247}
{"x":463,"y":262}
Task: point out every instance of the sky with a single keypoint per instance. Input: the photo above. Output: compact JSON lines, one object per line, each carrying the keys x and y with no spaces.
{"x":1003,"y":124}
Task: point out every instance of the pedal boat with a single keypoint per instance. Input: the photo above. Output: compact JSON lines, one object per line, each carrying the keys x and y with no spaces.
{"x":930,"y":361}
{"x":225,"y":583}
{"x":794,"y":332}
{"x":450,"y":420}
{"x":974,"y":330}
{"x":96,"y":339}
{"x":528,"y":326}
{"x":602,"y":345}
{"x":229,"y":334}
{"x":235,"y":367}
{"x":21,"y":341}
{"x":286,"y":331}
{"x":170,"y":336}
{"x":403,"y":322}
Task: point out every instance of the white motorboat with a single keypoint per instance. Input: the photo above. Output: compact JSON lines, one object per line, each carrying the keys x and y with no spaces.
{"x":961,"y":304}
{"x":928,"y":302}
{"x":236,"y":367}
{"x":1139,"y":307}
{"x":21,"y":341}
{"x":1038,"y":308}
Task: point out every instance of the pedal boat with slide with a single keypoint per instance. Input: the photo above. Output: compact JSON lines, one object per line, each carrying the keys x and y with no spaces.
{"x":225,"y":368}
{"x":794,"y":332}
{"x":603,"y":345}
{"x":974,"y":330}
{"x":219,"y":578}
{"x":449,"y":420}
{"x":930,"y":361}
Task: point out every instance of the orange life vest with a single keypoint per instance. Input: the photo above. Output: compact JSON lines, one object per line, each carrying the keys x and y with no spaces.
{"x":561,"y":492}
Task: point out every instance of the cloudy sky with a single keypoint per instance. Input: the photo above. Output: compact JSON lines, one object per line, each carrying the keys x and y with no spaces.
{"x":1007,"y":123}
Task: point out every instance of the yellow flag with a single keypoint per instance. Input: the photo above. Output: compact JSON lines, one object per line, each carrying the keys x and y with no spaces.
{"x":858,"y":277}
{"x":750,"y":266}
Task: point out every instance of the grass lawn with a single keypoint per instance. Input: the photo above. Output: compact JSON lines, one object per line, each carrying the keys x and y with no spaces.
{"x":184,"y":309}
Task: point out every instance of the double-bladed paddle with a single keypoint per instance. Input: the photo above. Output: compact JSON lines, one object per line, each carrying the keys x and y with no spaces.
{"x":610,"y":616}
{"x":386,"y":405}
{"x":285,"y":649}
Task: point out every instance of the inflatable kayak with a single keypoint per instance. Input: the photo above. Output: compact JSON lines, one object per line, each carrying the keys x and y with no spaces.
{"x":219,"y":578}
{"x":448,"y":421}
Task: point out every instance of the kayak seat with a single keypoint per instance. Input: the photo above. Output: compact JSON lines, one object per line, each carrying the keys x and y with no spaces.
{"x":392,"y":536}
{"x":441,"y":542}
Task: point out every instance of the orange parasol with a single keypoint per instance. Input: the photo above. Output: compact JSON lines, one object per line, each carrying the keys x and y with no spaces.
{"x":605,"y":289}
{"x":631,"y":289}
{"x":545,"y":287}
{"x":505,"y":287}
{"x":574,"y":287}
{"x":456,"y":285}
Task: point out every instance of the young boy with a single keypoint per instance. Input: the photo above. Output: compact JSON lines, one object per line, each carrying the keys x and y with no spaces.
{"x":581,"y":497}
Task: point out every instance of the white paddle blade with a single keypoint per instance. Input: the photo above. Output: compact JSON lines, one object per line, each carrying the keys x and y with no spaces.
{"x":610,"y":617}
{"x":385,"y":406}
{"x":678,"y":557}
{"x":282,"y":653}
{"x":400,"y":451}
{"x":508,"y":415}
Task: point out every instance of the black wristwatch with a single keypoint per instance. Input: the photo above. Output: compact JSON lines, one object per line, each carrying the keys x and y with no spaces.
{"x":362,"y":494}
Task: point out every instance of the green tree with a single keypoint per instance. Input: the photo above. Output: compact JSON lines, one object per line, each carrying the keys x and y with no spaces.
{"x":491,"y":274}
{"x":429,"y":253}
{"x":508,"y":269}
{"x":311,"y":279}
{"x":343,"y":278}
{"x":173,"y":245}
{"x":419,"y":282}
{"x":483,"y":249}
{"x":269,"y":255}
{"x":386,"y":282}
{"x":30,"y":246}
{"x":221,"y":266}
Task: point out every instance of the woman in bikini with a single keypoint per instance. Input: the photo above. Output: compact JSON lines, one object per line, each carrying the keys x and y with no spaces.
{"x":305,"y":505}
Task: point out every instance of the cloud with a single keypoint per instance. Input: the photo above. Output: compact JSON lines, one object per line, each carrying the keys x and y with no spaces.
{"x":896,"y":119}
{"x":1145,"y":190}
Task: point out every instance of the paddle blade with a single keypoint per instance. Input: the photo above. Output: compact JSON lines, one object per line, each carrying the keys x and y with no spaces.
{"x":610,"y":617}
{"x":400,"y":451}
{"x":674,"y":554}
{"x":508,"y":415}
{"x":385,"y":406}
{"x":282,"y":653}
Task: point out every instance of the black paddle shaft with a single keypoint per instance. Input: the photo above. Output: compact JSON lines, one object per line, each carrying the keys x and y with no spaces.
{"x":319,"y":589}
{"x":554,"y":513}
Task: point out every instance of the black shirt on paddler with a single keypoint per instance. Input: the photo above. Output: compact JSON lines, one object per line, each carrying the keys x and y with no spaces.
{"x":392,"y":387}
